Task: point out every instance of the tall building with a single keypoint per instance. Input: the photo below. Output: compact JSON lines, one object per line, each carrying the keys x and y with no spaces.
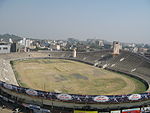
{"x":27,"y":43}
{"x":24,"y":41}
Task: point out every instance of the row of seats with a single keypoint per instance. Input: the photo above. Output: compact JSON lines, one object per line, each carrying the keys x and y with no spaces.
{"x":130,"y":63}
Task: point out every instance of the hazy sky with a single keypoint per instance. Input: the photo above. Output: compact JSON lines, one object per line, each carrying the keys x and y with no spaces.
{"x":122,"y":20}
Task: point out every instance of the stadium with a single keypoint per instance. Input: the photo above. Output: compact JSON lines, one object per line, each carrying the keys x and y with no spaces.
{"x":23,"y":94}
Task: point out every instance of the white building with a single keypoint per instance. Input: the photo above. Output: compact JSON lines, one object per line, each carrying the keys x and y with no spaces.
{"x":24,"y":41}
{"x":28,"y":43}
{"x":10,"y":40}
{"x":101,"y":43}
{"x":4,"y":48}
{"x":57,"y":47}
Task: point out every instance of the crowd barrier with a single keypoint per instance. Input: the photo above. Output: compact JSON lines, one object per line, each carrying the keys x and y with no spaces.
{"x":74,"y":98}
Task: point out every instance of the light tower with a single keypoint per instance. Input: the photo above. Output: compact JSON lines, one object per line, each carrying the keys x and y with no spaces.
{"x":74,"y":53}
{"x":116,"y":48}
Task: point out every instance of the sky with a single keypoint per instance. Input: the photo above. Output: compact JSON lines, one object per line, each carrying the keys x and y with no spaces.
{"x":120,"y":20}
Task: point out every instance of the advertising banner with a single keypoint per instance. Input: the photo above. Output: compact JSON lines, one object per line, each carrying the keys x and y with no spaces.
{"x":64,"y":97}
{"x":31,"y":92}
{"x":78,"y":111}
{"x":145,"y":110}
{"x":103,"y":112}
{"x":134,"y":110}
{"x":134,"y":97}
{"x":116,"y":111}
{"x":101,"y":99}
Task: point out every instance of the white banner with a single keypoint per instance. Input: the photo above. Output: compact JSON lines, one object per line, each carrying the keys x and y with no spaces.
{"x":31,"y":92}
{"x":64,"y":97}
{"x":134,"y":97}
{"x":101,"y":99}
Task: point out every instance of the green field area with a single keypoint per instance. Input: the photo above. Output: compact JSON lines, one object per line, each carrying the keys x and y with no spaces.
{"x":66,"y":76}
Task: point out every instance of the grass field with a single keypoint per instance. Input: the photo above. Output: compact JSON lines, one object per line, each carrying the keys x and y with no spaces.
{"x":66,"y":76}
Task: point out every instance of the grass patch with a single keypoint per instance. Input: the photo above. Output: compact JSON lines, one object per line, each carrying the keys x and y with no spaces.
{"x":73,"y":77}
{"x":140,"y":86}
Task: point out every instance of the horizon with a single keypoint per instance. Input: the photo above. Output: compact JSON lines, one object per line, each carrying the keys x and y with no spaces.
{"x":80,"y":40}
{"x":124,"y":21}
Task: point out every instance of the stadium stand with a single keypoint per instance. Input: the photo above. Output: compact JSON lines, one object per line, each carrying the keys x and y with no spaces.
{"x":129,"y":63}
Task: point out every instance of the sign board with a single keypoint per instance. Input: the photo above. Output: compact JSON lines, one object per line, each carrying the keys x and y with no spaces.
{"x":134,"y":97}
{"x":31,"y":92}
{"x":64,"y":97}
{"x":101,"y":99}
{"x":116,"y":111}
{"x":134,"y":110}
{"x":78,"y":111}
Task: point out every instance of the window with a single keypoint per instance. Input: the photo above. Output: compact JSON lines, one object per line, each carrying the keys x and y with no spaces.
{"x":5,"y":48}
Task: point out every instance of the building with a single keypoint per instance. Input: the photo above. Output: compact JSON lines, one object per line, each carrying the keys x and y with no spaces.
{"x":13,"y":47}
{"x":55,"y":47}
{"x":10,"y":40}
{"x":4,"y":48}
{"x":58,"y":47}
{"x":27,"y":43}
{"x":24,"y":41}
{"x":101,"y":43}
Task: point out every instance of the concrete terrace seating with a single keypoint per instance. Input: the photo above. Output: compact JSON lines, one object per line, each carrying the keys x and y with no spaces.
{"x":6,"y":72}
{"x":92,"y":57}
{"x":130,"y":63}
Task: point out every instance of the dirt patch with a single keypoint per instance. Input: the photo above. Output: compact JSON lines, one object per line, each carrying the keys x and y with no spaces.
{"x":78,"y":76}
